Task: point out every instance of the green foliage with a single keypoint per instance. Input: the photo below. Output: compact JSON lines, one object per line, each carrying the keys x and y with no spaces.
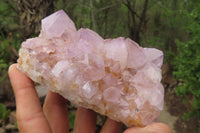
{"x":8,"y":16}
{"x":16,"y":125}
{"x":71,"y":119}
{"x":4,"y":113}
{"x":4,"y":57}
{"x":167,"y":22}
{"x":3,"y":68}
{"x":187,"y":65}
{"x":9,"y":36}
{"x":8,"y":51}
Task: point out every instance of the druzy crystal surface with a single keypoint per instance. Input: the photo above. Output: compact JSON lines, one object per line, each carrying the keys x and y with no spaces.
{"x":114,"y":77}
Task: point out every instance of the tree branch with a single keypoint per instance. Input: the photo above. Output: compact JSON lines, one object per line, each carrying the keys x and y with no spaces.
{"x":128,"y":5}
{"x":107,"y":7}
{"x":143,"y":15}
{"x":93,"y":15}
{"x":11,"y":6}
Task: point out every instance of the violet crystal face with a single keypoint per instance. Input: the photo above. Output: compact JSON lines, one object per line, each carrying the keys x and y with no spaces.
{"x":114,"y":77}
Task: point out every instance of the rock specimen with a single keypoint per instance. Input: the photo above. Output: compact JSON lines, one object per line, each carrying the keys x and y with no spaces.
{"x":114,"y":77}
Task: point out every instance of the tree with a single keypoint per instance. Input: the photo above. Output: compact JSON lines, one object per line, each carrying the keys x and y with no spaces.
{"x":30,"y":13}
{"x":137,"y":21}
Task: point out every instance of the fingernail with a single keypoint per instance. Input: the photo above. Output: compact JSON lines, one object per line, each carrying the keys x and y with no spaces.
{"x":11,"y":68}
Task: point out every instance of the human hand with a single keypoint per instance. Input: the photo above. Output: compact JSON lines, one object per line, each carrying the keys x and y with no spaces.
{"x":53,"y":117}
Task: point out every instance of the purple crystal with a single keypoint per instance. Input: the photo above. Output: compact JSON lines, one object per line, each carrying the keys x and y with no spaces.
{"x":114,"y":77}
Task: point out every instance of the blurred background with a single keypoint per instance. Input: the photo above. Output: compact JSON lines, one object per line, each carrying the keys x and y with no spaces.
{"x":172,"y":26}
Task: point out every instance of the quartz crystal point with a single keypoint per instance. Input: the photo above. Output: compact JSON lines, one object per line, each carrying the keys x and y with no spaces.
{"x":114,"y":77}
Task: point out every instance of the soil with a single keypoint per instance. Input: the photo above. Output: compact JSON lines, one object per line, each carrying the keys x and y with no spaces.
{"x":177,"y":108}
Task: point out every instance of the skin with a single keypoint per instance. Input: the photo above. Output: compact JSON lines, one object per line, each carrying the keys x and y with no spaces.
{"x":53,"y":117}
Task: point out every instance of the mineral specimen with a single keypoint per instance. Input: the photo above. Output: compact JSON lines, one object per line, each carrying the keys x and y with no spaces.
{"x":114,"y":77}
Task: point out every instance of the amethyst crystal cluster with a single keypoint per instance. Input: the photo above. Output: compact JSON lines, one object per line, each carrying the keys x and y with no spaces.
{"x":114,"y":77}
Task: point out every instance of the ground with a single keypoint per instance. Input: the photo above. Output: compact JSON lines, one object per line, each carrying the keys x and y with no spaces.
{"x":174,"y":108}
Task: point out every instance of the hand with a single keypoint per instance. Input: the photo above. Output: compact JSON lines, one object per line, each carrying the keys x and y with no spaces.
{"x":53,"y":118}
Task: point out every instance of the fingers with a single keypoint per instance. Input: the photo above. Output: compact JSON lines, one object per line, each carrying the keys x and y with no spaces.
{"x":111,"y":126}
{"x":152,"y":128}
{"x":30,"y":117}
{"x":55,"y":109}
{"x":85,"y":121}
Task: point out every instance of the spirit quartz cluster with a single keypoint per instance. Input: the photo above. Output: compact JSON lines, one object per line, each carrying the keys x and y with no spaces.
{"x":114,"y":77}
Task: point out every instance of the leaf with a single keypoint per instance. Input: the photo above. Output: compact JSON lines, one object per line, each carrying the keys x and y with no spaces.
{"x":71,"y":119}
{"x":4,"y":113}
{"x":16,"y":125}
{"x":2,"y":110}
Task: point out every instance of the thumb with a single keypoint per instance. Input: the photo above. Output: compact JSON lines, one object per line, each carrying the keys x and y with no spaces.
{"x":152,"y":128}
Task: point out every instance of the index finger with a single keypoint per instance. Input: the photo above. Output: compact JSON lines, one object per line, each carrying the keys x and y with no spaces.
{"x":30,"y":116}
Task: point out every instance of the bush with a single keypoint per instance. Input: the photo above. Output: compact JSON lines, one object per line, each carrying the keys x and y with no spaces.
{"x":187,"y":66}
{"x":4,"y":113}
{"x":8,"y":54}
